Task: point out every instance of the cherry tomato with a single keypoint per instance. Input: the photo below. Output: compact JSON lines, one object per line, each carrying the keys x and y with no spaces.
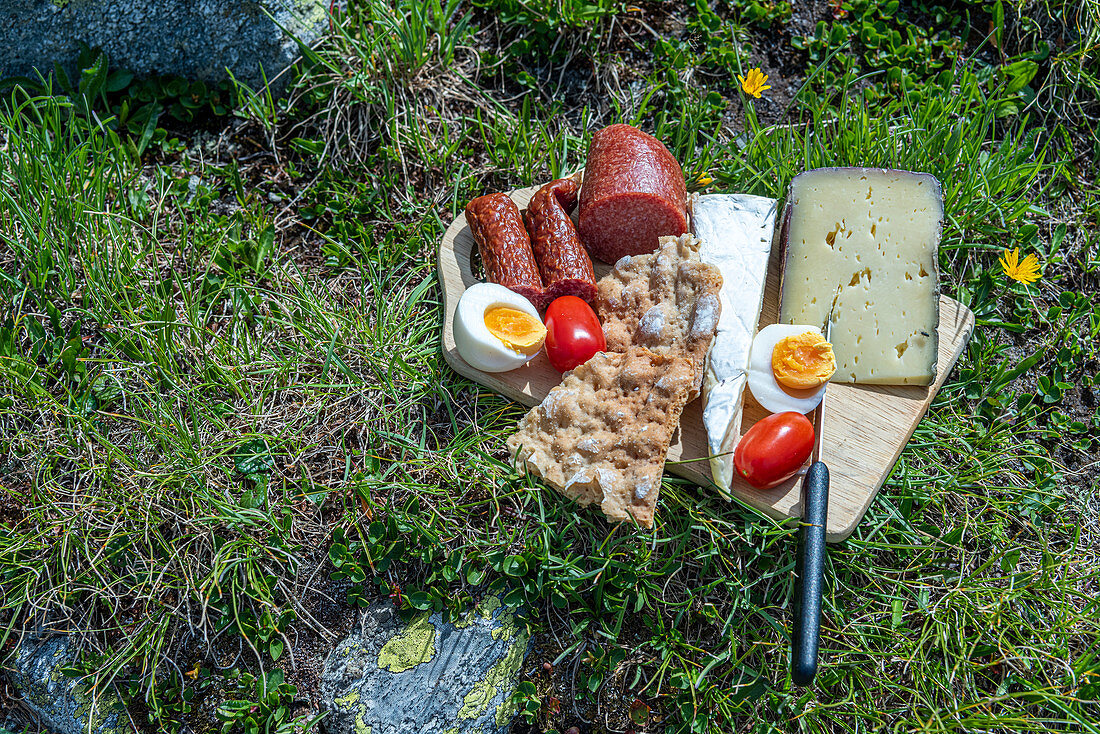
{"x":774,"y":449}
{"x":573,"y":333}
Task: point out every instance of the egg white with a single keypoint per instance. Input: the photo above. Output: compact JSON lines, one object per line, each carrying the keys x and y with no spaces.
{"x":772,"y":396}
{"x":476,"y":344}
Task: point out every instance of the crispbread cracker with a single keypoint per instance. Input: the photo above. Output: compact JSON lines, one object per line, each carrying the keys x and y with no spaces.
{"x":602,"y":434}
{"x":666,"y":302}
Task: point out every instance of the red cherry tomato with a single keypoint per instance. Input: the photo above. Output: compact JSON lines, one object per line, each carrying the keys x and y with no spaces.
{"x":774,"y":449}
{"x":573,"y":333}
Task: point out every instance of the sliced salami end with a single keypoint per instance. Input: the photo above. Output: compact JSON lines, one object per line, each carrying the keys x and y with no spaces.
{"x":633,"y":193}
{"x":583,"y":289}
{"x":537,"y":296}
{"x":629,"y":224}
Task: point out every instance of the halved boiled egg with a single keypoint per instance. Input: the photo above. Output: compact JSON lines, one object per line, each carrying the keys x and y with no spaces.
{"x":784,"y":355}
{"x":496,"y":329}
{"x":803,"y":361}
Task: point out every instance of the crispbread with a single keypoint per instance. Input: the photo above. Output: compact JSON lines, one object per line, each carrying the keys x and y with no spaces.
{"x":602,"y":434}
{"x":666,"y":302}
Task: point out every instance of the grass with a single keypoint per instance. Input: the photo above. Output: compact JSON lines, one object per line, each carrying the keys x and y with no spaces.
{"x":224,"y":410}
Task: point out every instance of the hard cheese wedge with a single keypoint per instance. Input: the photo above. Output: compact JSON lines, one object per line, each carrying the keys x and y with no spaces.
{"x":736,"y":231}
{"x":868,"y":238}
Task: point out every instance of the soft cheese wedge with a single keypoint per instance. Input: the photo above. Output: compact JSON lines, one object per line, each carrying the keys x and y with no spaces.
{"x":736,"y":231}
{"x":867,"y":238}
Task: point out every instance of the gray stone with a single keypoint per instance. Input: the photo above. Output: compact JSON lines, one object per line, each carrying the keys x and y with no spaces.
{"x":196,"y":39}
{"x":62,"y":702}
{"x":389,"y":677}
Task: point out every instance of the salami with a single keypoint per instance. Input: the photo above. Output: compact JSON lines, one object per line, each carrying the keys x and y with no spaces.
{"x":504,"y":245}
{"x":563,"y":262}
{"x":633,"y":193}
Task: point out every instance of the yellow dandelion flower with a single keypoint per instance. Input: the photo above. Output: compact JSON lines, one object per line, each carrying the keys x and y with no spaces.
{"x":703,"y":180}
{"x":754,"y":83}
{"x":1026,"y":271}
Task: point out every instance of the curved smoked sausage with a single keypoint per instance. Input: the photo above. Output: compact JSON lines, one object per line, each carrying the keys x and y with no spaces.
{"x":563,"y":262}
{"x":504,"y":245}
{"x":633,"y":193}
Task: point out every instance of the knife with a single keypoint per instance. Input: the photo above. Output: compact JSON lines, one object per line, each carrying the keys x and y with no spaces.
{"x":811,"y":552}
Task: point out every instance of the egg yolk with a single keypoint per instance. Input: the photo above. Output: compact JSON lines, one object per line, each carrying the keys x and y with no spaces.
{"x":803,"y":362}
{"x":519,"y":331}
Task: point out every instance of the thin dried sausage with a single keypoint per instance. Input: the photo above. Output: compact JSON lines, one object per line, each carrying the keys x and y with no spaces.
{"x":633,"y":193}
{"x":563,"y":262}
{"x":505,"y":246}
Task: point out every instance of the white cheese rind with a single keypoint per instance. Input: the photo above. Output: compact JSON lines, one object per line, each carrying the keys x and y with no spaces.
{"x":870,"y":238}
{"x":736,"y":231}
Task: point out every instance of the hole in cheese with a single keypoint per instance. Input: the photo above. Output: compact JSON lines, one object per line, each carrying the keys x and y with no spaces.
{"x":856,"y":276}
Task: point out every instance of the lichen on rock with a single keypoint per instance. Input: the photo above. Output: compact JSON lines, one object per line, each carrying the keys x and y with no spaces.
{"x":66,"y":704}
{"x":507,"y":629}
{"x":477,"y":701}
{"x":410,"y":648}
{"x":425,"y":675}
{"x":487,"y":606}
{"x":345,"y":703}
{"x":196,"y":39}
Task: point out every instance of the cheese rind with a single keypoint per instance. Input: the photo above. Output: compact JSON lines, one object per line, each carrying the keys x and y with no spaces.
{"x":736,"y":231}
{"x":869,"y":239}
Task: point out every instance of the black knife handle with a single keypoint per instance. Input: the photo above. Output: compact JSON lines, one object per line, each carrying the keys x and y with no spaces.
{"x":811,"y":567}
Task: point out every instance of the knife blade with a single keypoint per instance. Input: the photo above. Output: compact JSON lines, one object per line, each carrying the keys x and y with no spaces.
{"x":811,"y":550}
{"x":819,"y":414}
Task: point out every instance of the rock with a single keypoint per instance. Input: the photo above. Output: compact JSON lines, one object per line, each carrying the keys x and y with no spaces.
{"x":392,"y":677}
{"x":196,"y":39}
{"x":61,"y":701}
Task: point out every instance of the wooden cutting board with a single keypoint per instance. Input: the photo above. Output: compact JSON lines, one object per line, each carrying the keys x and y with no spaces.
{"x":866,"y":426}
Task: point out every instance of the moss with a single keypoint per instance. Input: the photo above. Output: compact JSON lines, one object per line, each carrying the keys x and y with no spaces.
{"x":410,"y":648}
{"x":477,"y":701}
